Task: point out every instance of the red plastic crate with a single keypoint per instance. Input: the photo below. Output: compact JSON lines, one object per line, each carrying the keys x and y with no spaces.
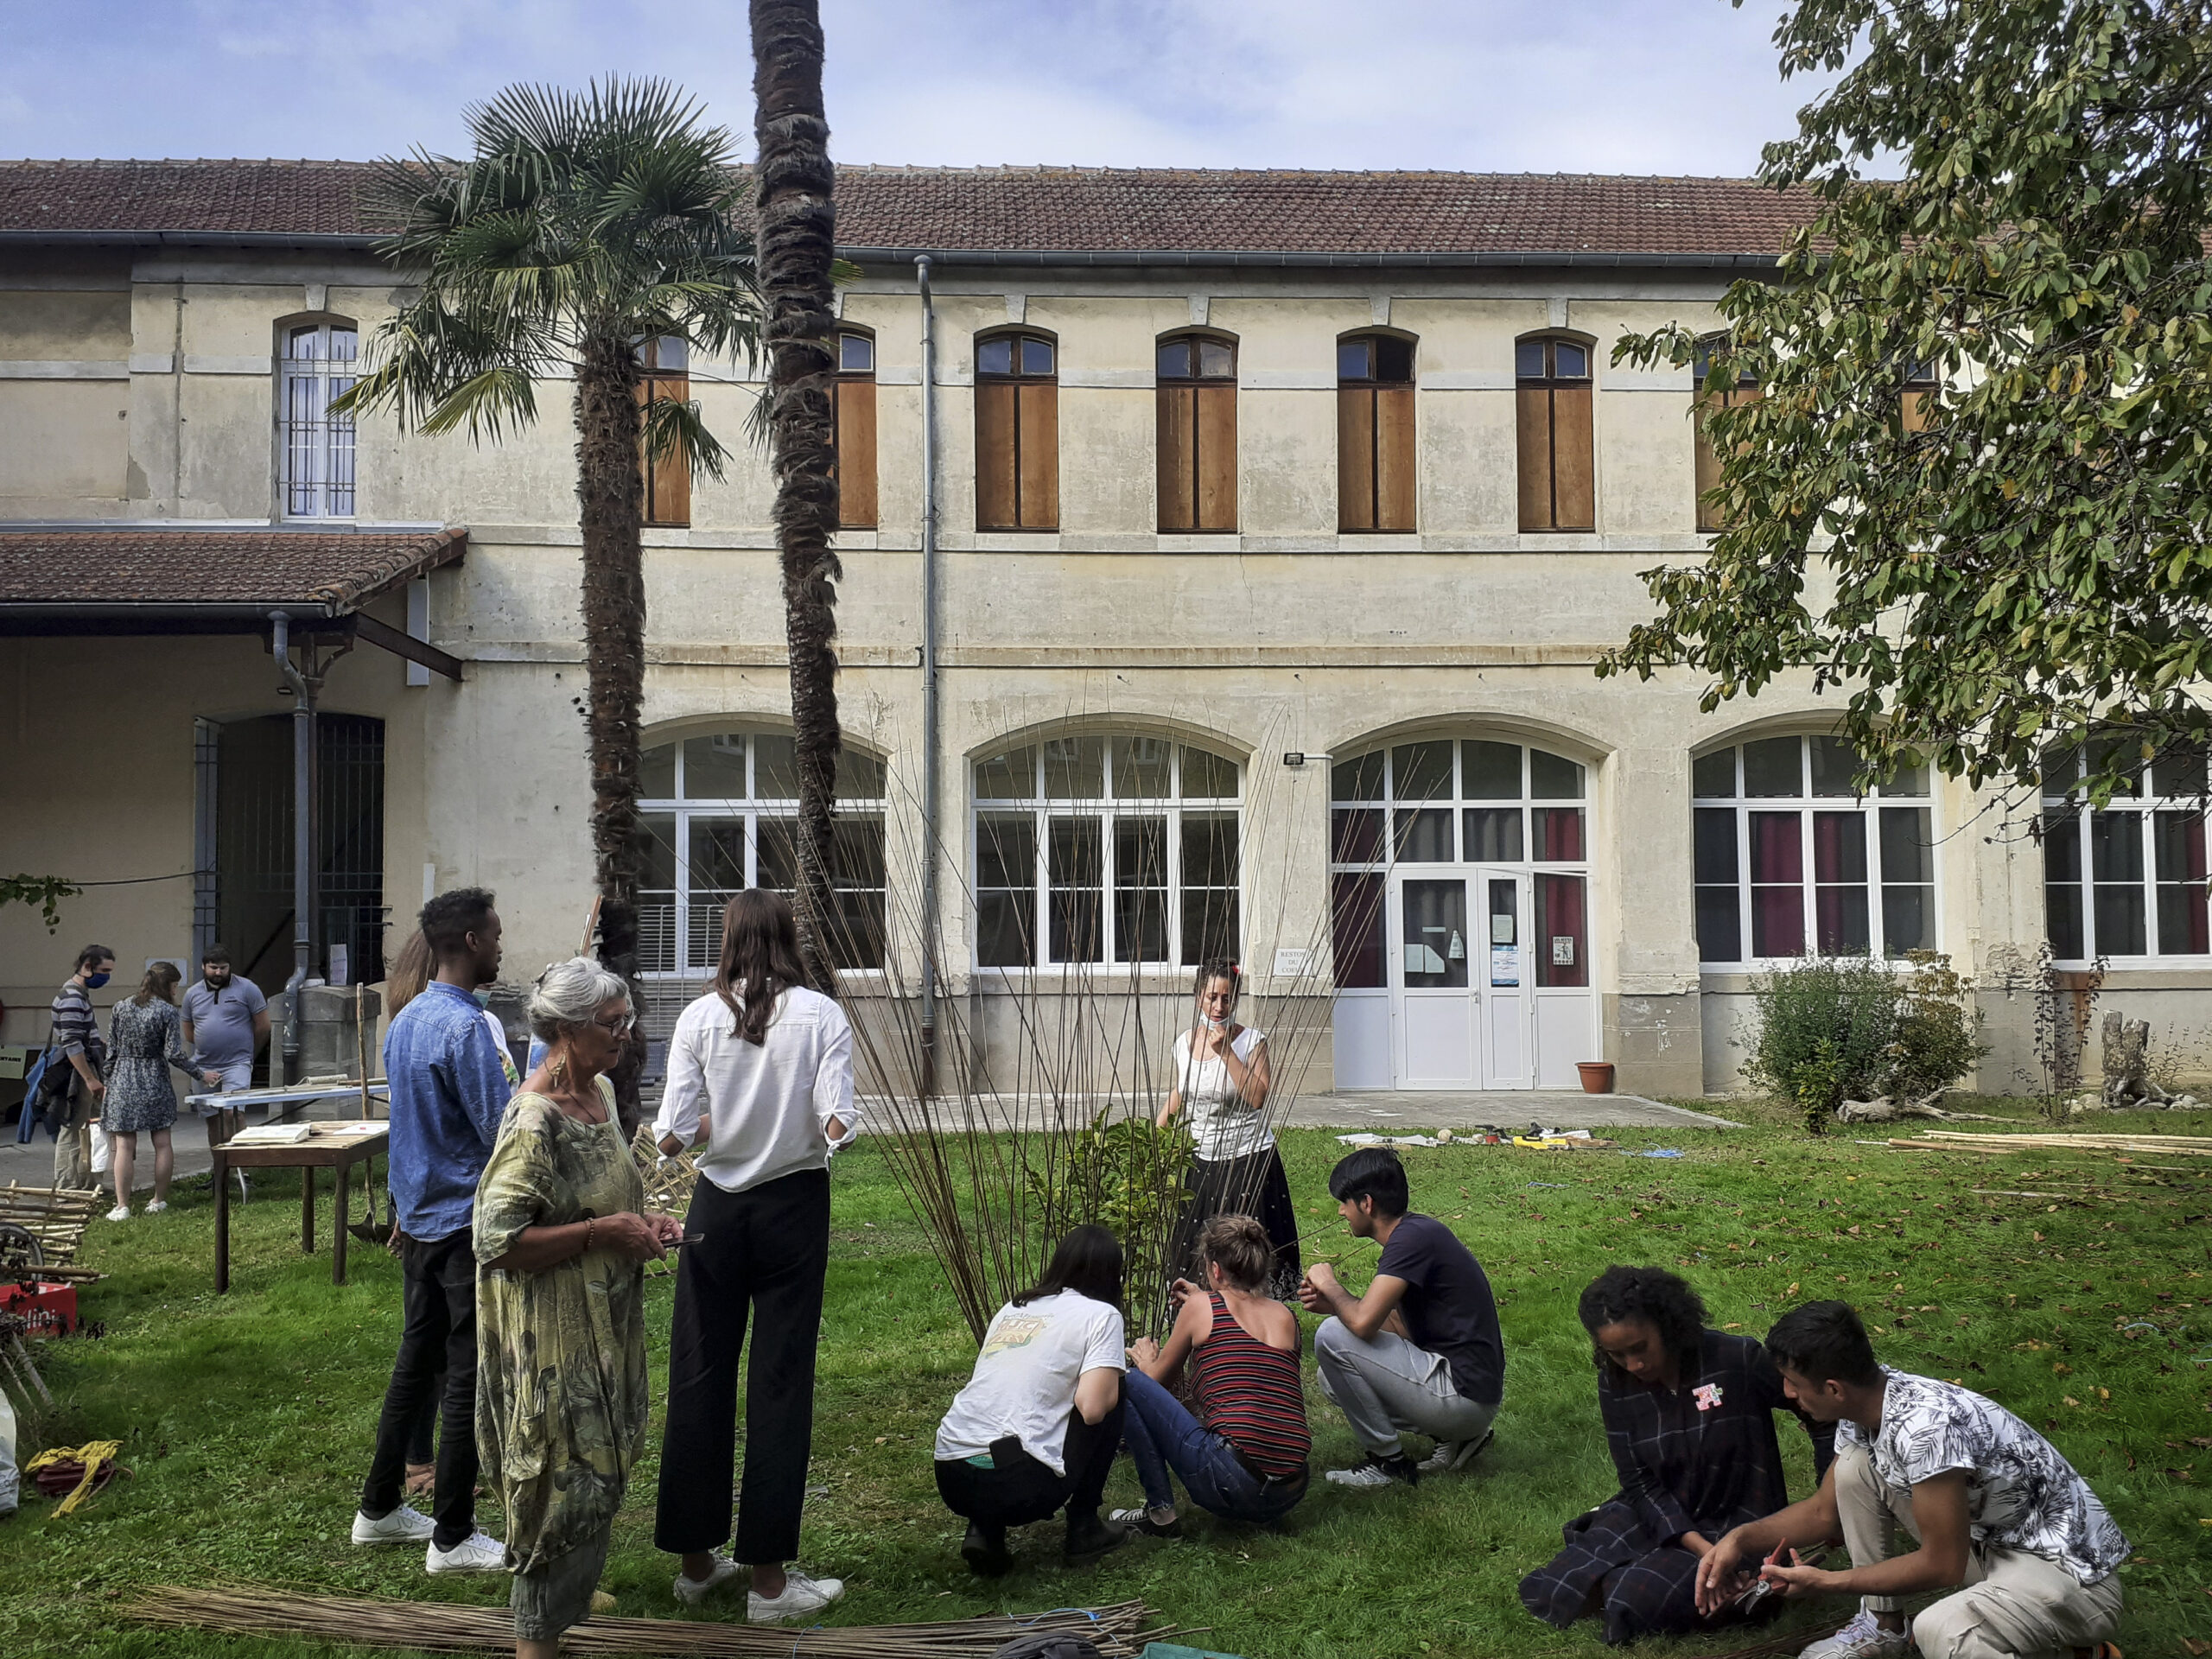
{"x":50,"y":1308}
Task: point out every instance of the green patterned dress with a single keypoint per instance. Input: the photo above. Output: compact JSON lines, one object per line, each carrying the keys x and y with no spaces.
{"x":561,"y":1388}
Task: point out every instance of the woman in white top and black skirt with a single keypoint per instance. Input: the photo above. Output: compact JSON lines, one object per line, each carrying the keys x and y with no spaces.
{"x":771,"y":1063}
{"x":1222,"y":1080}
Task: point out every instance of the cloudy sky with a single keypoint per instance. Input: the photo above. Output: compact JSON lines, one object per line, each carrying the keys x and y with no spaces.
{"x":1686,"y":87}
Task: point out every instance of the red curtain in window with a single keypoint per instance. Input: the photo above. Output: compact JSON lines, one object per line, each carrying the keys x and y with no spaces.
{"x":1777,"y":883}
{"x":1355,"y":918}
{"x":1561,"y":931}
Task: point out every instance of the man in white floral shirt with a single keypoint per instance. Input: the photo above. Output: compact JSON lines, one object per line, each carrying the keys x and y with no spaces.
{"x":1991,"y":1505}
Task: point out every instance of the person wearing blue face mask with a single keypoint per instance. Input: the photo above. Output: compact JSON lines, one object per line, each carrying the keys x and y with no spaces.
{"x":76,"y":1043}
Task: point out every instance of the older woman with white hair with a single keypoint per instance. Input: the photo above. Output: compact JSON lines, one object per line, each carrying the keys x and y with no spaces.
{"x":562,"y":1235}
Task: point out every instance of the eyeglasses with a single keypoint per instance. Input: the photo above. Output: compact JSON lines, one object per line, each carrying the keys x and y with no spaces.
{"x":620,"y":1028}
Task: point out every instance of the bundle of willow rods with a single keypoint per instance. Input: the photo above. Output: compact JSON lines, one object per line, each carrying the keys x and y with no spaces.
{"x":442,"y":1627}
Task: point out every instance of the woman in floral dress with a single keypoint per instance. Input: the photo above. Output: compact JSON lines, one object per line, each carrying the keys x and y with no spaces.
{"x":561,"y":1240}
{"x":145,"y":1039}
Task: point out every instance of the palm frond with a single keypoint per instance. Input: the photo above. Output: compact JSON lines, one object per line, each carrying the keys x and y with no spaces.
{"x":486,"y":404}
{"x":674,"y":425}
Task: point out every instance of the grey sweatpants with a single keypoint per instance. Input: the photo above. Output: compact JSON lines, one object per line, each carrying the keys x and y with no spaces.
{"x":2015,"y":1606}
{"x":1386,"y":1387}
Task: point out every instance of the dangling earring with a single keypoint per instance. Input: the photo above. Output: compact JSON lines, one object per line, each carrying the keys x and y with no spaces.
{"x":559,"y":1071}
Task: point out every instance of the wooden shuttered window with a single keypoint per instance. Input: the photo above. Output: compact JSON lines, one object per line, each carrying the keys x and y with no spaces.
{"x":1017,"y":434}
{"x":666,"y":375}
{"x":1375,"y":449}
{"x":1917,"y":402}
{"x":1706,"y":398}
{"x":1555,"y":438}
{"x":852,"y":406}
{"x":1197,"y":435}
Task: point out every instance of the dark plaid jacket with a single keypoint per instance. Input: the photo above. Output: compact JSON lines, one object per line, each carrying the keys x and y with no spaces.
{"x":1700,"y":1459}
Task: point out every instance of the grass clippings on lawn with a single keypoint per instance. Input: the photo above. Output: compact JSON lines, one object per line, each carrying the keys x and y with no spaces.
{"x":2071,"y":1288}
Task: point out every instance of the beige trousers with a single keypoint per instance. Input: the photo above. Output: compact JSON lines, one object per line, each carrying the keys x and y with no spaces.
{"x":2014,"y":1605}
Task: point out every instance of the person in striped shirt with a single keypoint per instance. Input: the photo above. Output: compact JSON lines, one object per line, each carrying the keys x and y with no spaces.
{"x":1243,"y":1457}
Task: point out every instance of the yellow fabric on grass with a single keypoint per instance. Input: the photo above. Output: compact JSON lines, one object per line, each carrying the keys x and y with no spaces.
{"x":91,"y":1454}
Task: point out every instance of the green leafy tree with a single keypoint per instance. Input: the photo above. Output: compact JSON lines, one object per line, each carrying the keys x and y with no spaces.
{"x":1973,"y":495}
{"x":798,"y":241}
{"x":580,"y":225}
{"x":45,"y":891}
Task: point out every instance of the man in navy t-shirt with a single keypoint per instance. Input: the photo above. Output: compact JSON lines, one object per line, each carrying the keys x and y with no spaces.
{"x":1421,"y":1351}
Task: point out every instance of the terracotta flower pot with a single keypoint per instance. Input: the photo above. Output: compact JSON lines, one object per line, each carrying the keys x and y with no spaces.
{"x":1596,"y":1076}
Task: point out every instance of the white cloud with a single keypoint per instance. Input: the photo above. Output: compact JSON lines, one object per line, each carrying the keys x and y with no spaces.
{"x":1613,"y":85}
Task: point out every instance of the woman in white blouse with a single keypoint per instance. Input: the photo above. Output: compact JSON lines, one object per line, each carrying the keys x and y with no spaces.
{"x":769,"y":1064}
{"x":1221,"y":1079}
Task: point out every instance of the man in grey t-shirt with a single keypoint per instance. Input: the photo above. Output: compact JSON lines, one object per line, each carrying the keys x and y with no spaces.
{"x":226,"y":1023}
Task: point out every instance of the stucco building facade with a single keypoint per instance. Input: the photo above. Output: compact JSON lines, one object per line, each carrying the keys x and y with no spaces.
{"x":1232,"y":468}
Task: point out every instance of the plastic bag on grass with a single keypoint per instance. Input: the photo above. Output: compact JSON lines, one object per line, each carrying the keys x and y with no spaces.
{"x":10,"y":1482}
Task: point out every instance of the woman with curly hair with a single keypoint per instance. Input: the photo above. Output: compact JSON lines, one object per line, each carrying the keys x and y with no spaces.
{"x":1689,"y":1416}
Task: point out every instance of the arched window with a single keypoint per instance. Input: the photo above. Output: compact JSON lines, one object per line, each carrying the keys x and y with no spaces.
{"x":852,"y":407}
{"x":1198,"y":433}
{"x":1551,"y":375}
{"x":1017,"y":432}
{"x":721,"y":814}
{"x":1375,"y":433}
{"x":1111,"y":847}
{"x":1706,"y":398}
{"x":1474,"y":801}
{"x":664,"y":365}
{"x":316,"y":446}
{"x":1790,"y":861}
{"x":2126,"y":878}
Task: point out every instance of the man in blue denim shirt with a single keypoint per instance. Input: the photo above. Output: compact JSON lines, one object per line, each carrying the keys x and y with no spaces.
{"x":449,"y":1092}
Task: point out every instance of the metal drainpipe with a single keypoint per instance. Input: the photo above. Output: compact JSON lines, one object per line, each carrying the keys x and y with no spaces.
{"x":302,"y":833}
{"x":930,"y":841}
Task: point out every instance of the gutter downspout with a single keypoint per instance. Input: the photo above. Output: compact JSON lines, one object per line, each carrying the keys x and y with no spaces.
{"x":930,"y":837}
{"x":302,"y":833}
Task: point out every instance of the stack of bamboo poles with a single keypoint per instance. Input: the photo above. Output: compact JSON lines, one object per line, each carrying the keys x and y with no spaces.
{"x":56,"y":1218}
{"x":442,"y":1627}
{"x":2185,"y":1146}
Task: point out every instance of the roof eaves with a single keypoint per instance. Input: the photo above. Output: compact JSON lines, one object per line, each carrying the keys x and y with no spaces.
{"x":1128,"y":258}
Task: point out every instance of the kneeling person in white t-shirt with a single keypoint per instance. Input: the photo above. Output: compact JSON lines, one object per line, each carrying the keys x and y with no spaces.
{"x":1036,"y":1428}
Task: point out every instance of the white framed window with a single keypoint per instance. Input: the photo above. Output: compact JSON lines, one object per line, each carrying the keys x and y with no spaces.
{"x":316,"y":447}
{"x":720,"y":813}
{"x":1457,"y":801}
{"x":2128,"y":878}
{"x":1789,"y":862}
{"x":1106,"y":847}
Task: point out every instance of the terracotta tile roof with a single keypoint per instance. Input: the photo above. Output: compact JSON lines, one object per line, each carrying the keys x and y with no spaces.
{"x":1062,"y":210}
{"x":330,"y":568}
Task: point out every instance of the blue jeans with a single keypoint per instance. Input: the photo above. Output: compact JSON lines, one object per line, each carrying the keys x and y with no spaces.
{"x":1162,"y":1435}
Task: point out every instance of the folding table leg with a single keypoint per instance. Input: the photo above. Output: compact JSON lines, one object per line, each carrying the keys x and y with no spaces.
{"x":306,"y":1210}
{"x":222,"y":1223}
{"x":338,"y":1227}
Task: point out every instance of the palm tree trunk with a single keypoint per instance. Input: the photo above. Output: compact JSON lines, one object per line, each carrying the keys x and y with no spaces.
{"x":796,"y":244}
{"x":610,"y":494}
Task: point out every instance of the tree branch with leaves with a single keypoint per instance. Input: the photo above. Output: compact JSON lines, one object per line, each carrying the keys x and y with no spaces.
{"x":1973,"y":496}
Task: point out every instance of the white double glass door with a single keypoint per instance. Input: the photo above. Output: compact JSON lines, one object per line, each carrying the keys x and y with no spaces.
{"x":1460,"y":979}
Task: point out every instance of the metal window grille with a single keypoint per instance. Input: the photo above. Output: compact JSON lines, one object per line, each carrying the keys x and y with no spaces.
{"x":317,"y":446}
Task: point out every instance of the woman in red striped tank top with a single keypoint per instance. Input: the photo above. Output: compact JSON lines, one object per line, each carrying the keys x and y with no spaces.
{"x":1243,"y":1457}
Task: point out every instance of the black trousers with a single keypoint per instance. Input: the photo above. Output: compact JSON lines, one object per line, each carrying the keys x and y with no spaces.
{"x":438,"y":1280}
{"x":1018,"y":1488}
{"x":762,"y":1252}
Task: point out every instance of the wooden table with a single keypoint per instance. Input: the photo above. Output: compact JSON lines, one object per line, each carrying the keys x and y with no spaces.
{"x":335,"y":1145}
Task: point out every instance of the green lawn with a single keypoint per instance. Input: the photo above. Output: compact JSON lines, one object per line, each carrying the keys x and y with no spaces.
{"x":247,"y":1419}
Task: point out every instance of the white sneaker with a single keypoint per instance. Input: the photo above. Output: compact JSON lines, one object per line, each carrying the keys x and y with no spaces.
{"x":691,"y":1591}
{"x":477,"y":1553}
{"x":121,"y":1212}
{"x":403,"y":1526}
{"x":1863,"y":1638}
{"x":1370,"y":1472}
{"x":1453,"y":1454}
{"x":155,"y":1207}
{"x":801,"y":1597}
